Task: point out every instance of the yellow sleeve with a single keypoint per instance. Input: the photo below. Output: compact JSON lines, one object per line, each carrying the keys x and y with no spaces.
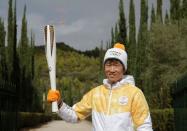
{"x":140,"y":109}
{"x":84,"y":107}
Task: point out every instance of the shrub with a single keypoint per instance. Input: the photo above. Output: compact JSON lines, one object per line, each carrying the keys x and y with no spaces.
{"x":28,"y":119}
{"x":163,"y":119}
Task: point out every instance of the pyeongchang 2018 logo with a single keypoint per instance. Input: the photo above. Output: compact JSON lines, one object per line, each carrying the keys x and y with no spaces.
{"x":115,"y":53}
{"x":123,"y":100}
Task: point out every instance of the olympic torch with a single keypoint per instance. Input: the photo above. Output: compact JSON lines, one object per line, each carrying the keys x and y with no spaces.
{"x":50,"y":50}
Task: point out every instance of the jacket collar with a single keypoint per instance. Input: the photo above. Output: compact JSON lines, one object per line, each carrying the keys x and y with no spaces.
{"x":127,"y":79}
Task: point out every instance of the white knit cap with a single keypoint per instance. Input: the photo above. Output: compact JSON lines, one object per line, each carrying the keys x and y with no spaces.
{"x":117,"y":52}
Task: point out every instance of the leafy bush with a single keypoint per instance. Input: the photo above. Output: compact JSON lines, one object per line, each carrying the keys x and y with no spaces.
{"x":163,"y":119}
{"x":27,"y":119}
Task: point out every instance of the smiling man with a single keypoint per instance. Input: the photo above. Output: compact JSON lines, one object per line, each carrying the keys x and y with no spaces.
{"x":116,"y":105}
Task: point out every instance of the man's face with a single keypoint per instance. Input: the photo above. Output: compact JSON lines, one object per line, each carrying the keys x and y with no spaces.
{"x":113,"y":70}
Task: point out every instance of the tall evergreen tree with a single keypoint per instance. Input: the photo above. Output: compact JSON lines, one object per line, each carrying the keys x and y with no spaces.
{"x":116,"y":33}
{"x":107,"y":45}
{"x":131,"y":47}
{"x":32,"y":55}
{"x":3,"y":66}
{"x":153,"y":15}
{"x":10,"y":40}
{"x":142,"y":50}
{"x":23,"y":45}
{"x":159,"y":9}
{"x":175,"y":9}
{"x":122,"y":25}
{"x":184,"y":9}
{"x":112,"y":37}
{"x":101,"y":55}
{"x":16,"y":66}
{"x":25,"y":64}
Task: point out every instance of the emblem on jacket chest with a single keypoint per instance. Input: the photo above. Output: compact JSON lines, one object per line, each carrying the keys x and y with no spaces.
{"x":123,"y":100}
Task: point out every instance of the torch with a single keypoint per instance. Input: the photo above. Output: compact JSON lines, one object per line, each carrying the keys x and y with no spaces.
{"x":50,"y":50}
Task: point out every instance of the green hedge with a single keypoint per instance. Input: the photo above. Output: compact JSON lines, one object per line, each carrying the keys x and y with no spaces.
{"x":181,"y":119}
{"x":54,"y":116}
{"x":29,"y":119}
{"x":163,"y":119}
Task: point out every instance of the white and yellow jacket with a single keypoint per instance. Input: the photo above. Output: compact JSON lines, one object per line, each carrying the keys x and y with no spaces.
{"x":118,"y":107}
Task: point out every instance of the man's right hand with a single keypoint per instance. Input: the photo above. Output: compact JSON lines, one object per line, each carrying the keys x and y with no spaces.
{"x":53,"y":95}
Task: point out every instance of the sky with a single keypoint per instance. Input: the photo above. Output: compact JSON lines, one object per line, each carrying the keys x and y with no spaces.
{"x":82,"y":24}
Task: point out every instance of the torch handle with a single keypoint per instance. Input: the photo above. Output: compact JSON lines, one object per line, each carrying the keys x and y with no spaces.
{"x":52,"y":74}
{"x":54,"y":106}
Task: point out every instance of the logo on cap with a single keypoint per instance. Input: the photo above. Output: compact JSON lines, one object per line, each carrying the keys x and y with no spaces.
{"x":115,"y":53}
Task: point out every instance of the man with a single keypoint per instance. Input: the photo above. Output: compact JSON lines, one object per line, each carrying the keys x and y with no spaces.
{"x":116,"y":105}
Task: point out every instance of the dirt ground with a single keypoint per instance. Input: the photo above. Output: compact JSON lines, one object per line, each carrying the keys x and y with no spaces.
{"x":63,"y":126}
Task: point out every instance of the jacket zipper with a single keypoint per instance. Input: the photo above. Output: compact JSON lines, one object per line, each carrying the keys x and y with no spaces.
{"x":109,"y":101}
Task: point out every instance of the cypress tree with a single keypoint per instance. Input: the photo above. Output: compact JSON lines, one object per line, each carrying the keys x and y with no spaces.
{"x":122,"y":24}
{"x":142,"y":50}
{"x":116,"y":33}
{"x":153,"y":15}
{"x":3,"y":66}
{"x":108,"y":45}
{"x":32,"y":55}
{"x":16,"y":66}
{"x":184,"y":9}
{"x":112,"y":37}
{"x":10,"y":40}
{"x":131,"y":47}
{"x":101,"y":55}
{"x":175,"y":9}
{"x":24,"y":53}
{"x":23,"y":45}
{"x":159,"y":9}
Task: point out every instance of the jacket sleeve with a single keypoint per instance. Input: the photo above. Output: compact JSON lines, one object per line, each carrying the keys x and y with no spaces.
{"x":140,"y":112}
{"x":84,"y":107}
{"x":67,"y":113}
{"x":80,"y":110}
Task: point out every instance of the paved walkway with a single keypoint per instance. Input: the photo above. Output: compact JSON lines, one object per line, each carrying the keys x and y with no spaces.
{"x":63,"y":126}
